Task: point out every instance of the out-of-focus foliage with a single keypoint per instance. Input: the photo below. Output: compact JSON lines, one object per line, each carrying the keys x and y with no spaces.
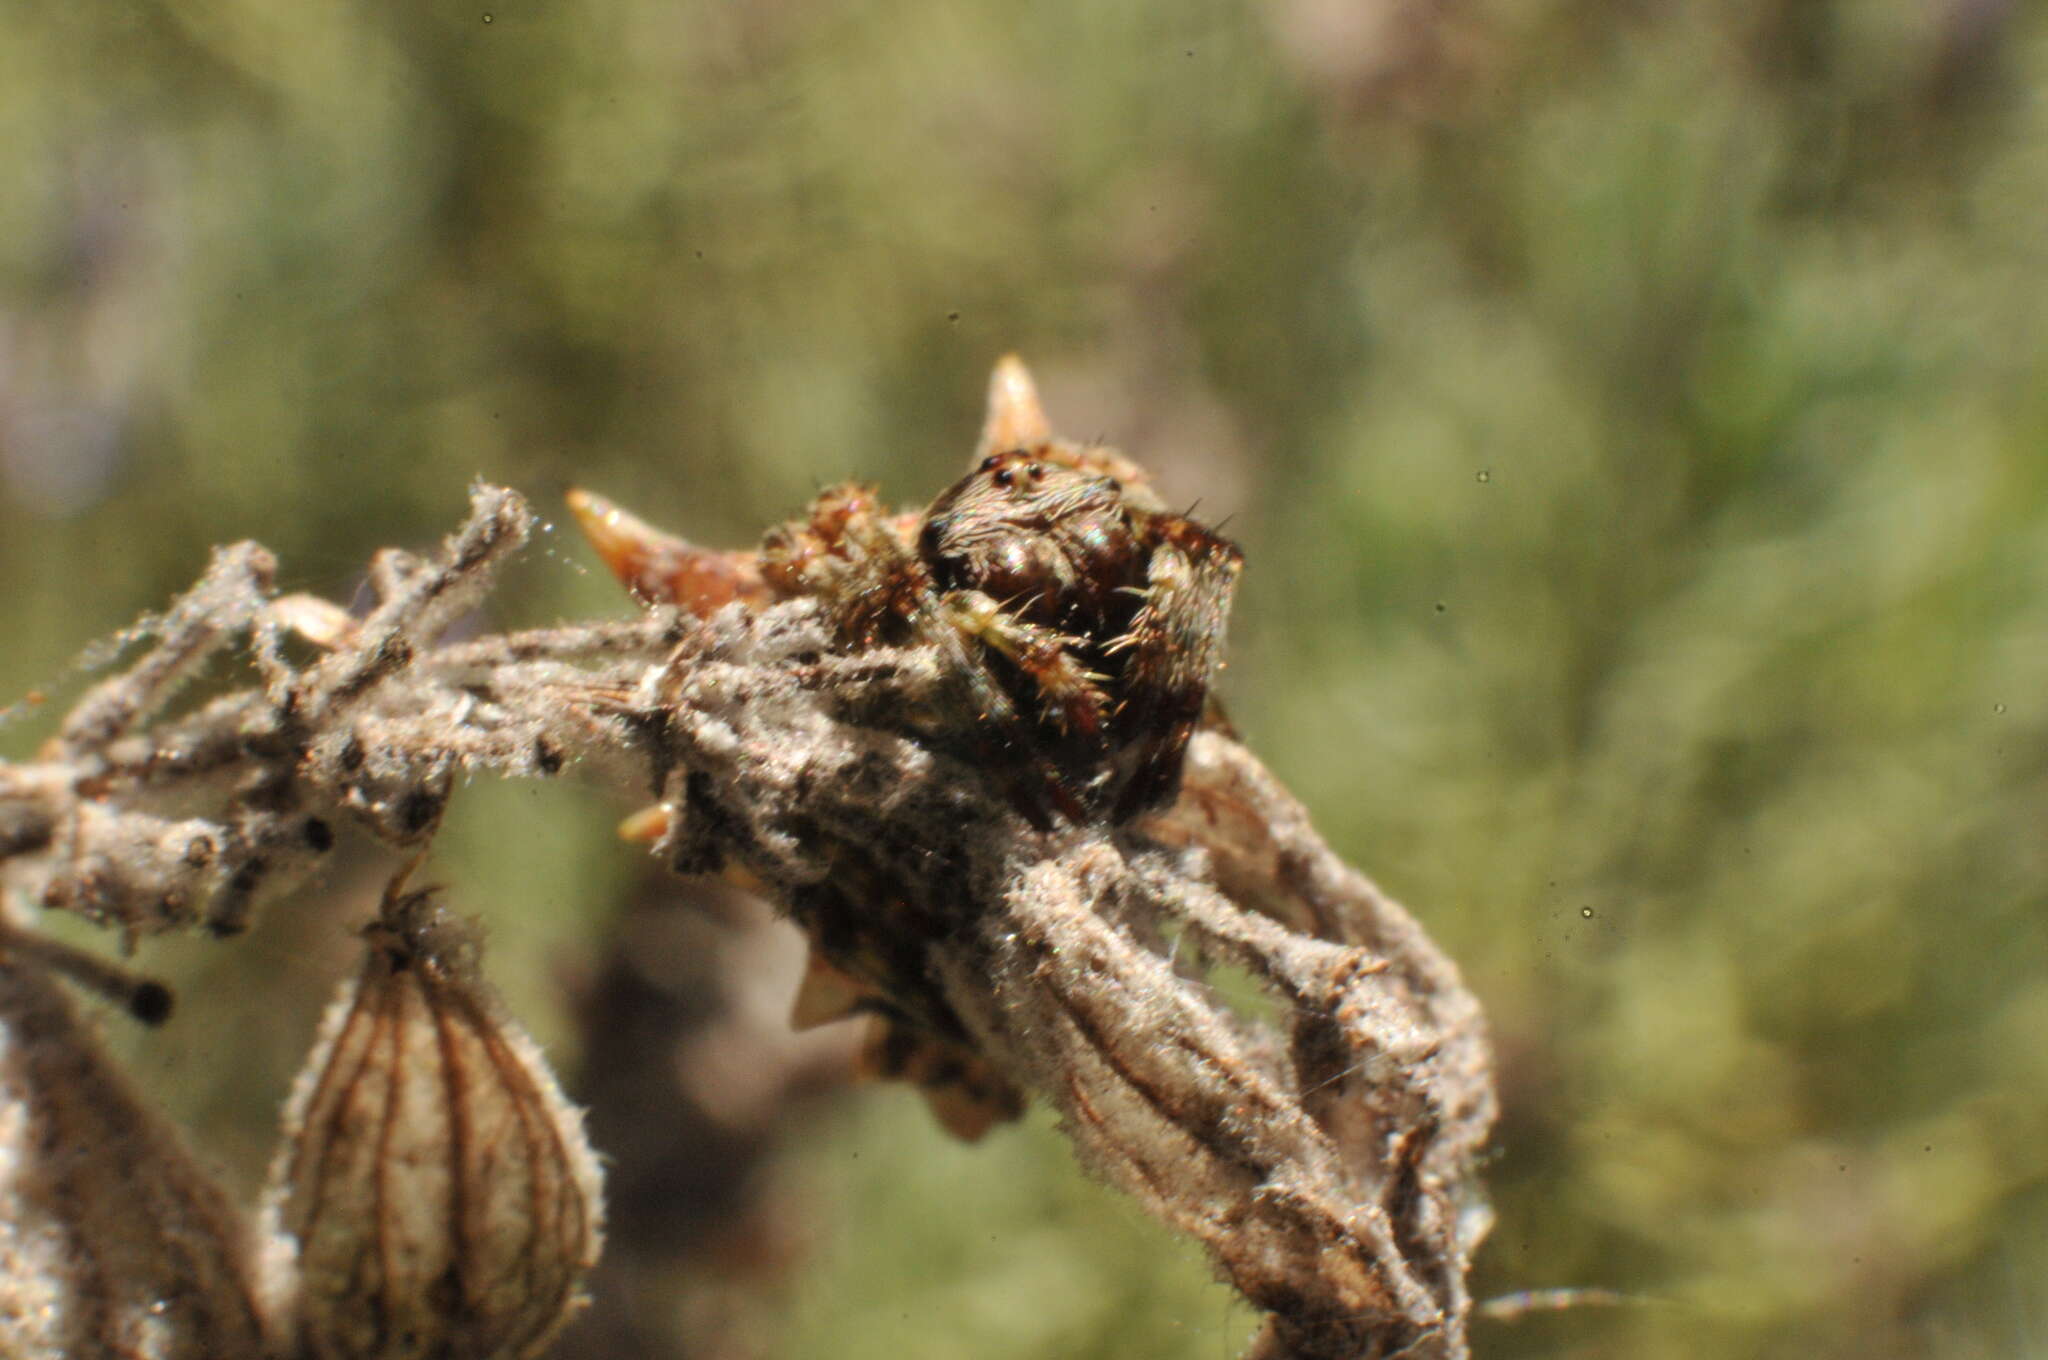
{"x":1633,"y":415}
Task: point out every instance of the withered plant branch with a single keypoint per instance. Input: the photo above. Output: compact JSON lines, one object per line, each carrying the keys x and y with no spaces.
{"x":1326,"y":1162}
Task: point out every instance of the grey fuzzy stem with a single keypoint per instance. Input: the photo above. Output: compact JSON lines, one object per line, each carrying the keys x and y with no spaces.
{"x":1327,"y":1164}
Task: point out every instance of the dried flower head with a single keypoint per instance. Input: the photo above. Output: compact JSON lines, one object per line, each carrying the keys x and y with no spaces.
{"x":968,"y":749}
{"x":113,"y":1240}
{"x":434,"y":1196}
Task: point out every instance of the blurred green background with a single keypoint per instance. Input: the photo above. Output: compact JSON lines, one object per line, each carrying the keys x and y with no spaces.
{"x":1633,"y":415}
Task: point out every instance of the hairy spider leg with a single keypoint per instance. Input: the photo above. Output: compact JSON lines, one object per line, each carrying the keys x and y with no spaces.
{"x":1176,"y":647}
{"x":1002,"y":723}
{"x":1044,"y":654}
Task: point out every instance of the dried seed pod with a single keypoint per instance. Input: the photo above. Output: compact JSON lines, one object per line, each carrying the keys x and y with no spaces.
{"x":113,"y":1240}
{"x":434,"y":1195}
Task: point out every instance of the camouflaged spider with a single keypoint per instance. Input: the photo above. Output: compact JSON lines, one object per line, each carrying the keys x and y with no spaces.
{"x":1082,"y":621}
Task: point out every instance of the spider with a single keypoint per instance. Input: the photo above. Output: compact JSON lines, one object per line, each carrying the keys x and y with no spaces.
{"x":1082,"y":622}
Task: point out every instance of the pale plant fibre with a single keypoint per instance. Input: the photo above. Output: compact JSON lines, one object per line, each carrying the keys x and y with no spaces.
{"x":1328,"y":1166}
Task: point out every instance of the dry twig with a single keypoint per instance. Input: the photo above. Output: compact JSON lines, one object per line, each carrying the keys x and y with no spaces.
{"x":1328,"y":1166}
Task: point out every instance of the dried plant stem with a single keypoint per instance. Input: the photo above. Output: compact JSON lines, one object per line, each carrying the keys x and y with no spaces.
{"x":1327,"y":1165}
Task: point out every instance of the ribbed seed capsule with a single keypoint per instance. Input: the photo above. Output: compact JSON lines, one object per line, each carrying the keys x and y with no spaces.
{"x":437,"y":1189}
{"x":113,"y":1241}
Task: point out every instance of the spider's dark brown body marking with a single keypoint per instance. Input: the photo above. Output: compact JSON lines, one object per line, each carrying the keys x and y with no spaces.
{"x":1108,"y":616}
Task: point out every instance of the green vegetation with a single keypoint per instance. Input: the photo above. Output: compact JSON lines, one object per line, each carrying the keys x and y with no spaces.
{"x":1635,"y":418}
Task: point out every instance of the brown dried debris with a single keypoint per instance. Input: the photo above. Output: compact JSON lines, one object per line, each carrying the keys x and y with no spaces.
{"x":967,"y":751}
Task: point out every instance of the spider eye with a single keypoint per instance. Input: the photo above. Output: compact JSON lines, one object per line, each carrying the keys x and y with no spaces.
{"x":1005,"y":475}
{"x":1035,"y":471}
{"x":989,"y":463}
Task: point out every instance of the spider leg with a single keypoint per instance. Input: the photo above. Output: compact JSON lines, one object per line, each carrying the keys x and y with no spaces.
{"x":1176,"y":646}
{"x":853,"y":555}
{"x":1007,"y":734}
{"x":963,"y":630}
{"x":1045,"y":655}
